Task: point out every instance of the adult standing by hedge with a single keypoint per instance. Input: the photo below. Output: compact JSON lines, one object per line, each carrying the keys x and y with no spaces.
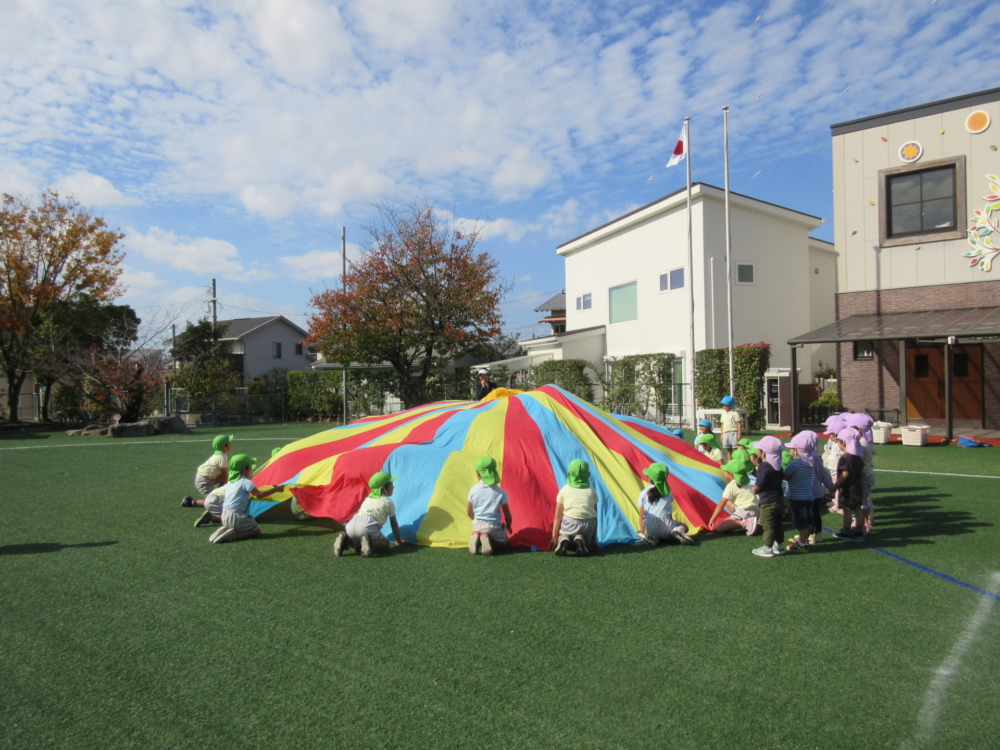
{"x":484,"y":386}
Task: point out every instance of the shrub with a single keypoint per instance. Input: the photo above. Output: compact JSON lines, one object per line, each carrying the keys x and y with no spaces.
{"x":828,"y":399}
{"x":568,"y":374}
{"x":750,"y":362}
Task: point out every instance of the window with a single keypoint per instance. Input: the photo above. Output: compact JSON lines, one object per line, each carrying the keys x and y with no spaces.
{"x":744,"y":273}
{"x":921,"y":366}
{"x":961,"y":365}
{"x":298,"y":350}
{"x":672,"y":280}
{"x":276,"y":349}
{"x":624,"y":303}
{"x":863,"y":350}
{"x":922,"y":202}
{"x":583,"y":302}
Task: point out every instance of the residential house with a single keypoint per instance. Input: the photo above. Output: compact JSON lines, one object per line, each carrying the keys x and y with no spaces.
{"x":916,"y":211}
{"x":627,"y":283}
{"x":258,"y":345}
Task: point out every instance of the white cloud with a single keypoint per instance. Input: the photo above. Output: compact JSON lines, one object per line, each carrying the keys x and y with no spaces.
{"x":271,"y":201}
{"x":139,"y":281}
{"x":93,"y":190}
{"x":317,"y":265}
{"x":202,"y":255}
{"x":563,"y":220}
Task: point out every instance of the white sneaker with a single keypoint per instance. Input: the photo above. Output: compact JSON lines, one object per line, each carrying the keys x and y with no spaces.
{"x":562,"y":546}
{"x":366,"y":546}
{"x":778,"y":549}
{"x":473,"y":543}
{"x":487,"y":547}
{"x":681,"y":537}
{"x":816,"y":538}
{"x":222,"y":535}
{"x":338,"y":544}
{"x":644,"y":537}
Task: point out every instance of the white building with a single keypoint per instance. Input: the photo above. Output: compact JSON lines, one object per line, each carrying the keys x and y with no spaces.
{"x":627,"y":283}
{"x":261,"y":344}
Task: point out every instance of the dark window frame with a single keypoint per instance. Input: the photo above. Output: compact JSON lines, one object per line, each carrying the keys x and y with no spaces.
{"x":753,"y":273}
{"x":958,"y":233}
{"x":276,"y":350}
{"x":298,"y":350}
{"x":859,"y":351}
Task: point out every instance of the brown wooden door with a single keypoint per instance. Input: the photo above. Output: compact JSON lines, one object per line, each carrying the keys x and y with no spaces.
{"x":925,"y":382}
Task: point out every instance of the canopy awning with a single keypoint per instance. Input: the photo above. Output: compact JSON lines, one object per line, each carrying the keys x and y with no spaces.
{"x":972,"y":322}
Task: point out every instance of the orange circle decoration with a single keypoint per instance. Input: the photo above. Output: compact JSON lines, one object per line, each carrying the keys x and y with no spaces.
{"x":910,"y":152}
{"x":977,"y":121}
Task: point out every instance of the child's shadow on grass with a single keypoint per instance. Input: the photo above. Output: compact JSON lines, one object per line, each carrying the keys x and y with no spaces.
{"x":39,"y":547}
{"x":903,"y":518}
{"x":292,"y":526}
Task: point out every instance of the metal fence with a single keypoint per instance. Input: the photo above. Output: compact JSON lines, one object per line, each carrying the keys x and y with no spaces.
{"x":228,"y":410}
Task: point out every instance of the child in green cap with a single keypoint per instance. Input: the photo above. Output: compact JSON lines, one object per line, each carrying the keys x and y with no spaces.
{"x":708,"y":444}
{"x":237,"y":524}
{"x":575,"y":519}
{"x":737,"y":498}
{"x":486,"y":502}
{"x":656,"y":507}
{"x":212,"y":473}
{"x":364,"y":531}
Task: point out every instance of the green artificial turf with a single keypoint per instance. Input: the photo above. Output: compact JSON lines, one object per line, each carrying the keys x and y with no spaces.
{"x":121,"y":627}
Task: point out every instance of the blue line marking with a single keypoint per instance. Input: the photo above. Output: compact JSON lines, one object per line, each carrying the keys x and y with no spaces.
{"x":918,"y":566}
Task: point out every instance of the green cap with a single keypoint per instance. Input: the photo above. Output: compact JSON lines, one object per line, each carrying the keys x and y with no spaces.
{"x":487,"y":469}
{"x":221,"y":442}
{"x":739,"y":467}
{"x":579,"y":474}
{"x":786,"y":457}
{"x":658,"y":474}
{"x":276,"y":451}
{"x":748,"y":444}
{"x":708,"y":438}
{"x":378,"y":481}
{"x":239,"y":462}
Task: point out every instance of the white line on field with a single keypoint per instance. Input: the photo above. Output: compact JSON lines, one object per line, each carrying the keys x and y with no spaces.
{"x":949,"y":668}
{"x":940,"y":474}
{"x":141,"y":442}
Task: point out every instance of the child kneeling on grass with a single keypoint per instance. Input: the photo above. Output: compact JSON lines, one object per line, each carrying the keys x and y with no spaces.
{"x":237,"y":524}
{"x":486,"y":501}
{"x":575,"y":520}
{"x":770,"y":498}
{"x":656,"y":507}
{"x":364,"y":531}
{"x":737,"y":498}
{"x":213,"y":507}
{"x":212,"y":473}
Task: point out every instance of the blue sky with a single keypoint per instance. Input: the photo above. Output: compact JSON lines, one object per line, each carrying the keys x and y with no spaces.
{"x":233,"y":140}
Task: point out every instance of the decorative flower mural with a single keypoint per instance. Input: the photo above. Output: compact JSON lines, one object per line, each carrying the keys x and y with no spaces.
{"x":985,"y":225}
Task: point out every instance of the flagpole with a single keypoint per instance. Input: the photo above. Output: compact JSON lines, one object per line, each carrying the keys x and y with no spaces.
{"x":729,"y":253}
{"x":687,"y":148}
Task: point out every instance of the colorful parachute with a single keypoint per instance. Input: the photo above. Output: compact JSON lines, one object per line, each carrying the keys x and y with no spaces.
{"x":533,"y":436}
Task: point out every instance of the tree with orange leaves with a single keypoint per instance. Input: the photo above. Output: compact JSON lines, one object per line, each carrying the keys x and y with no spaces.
{"x":420,"y":296}
{"x":54,"y":252}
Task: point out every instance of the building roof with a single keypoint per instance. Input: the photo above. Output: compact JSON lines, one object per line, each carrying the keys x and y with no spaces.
{"x":699,"y":189}
{"x":930,"y":324}
{"x":920,"y":110}
{"x":240,"y":327}
{"x":556,"y":303}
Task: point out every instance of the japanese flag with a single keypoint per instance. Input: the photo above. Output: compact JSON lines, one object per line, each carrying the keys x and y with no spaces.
{"x":680,"y":150}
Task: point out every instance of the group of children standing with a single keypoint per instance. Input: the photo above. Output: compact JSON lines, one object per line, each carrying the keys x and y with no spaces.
{"x":761,"y":477}
{"x":765,"y":478}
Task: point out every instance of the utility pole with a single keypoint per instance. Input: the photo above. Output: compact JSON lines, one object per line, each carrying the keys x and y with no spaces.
{"x":729,"y":253}
{"x":343,"y":284}
{"x":215,"y":299}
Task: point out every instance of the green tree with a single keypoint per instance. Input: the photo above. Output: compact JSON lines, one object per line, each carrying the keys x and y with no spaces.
{"x":53,"y":252}
{"x":420,"y":296}
{"x":206,"y":370}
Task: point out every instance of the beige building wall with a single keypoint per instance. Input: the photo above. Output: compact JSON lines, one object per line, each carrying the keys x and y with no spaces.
{"x":822,"y":299}
{"x":857,"y":159}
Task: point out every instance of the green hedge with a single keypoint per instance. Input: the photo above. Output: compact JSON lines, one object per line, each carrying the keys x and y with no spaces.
{"x":314,"y":394}
{"x":640,"y":383}
{"x":568,"y":374}
{"x":750,"y":362}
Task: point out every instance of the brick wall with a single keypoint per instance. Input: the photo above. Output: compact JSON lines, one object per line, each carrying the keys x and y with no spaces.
{"x":875,"y":383}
